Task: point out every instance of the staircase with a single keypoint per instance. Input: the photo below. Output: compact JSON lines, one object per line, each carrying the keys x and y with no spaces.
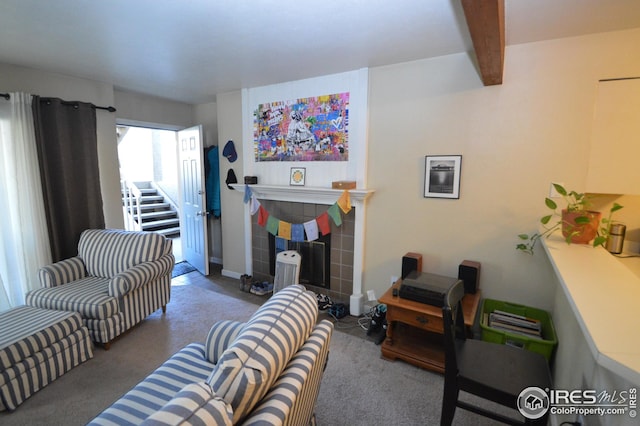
{"x":147,"y":210}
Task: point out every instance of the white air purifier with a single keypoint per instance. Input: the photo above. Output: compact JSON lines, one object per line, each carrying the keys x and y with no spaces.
{"x":287,"y":269}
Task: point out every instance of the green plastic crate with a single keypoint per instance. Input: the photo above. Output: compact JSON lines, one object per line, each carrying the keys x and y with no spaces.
{"x":544,"y":346}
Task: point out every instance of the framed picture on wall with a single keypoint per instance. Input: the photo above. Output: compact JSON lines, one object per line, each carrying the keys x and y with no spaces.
{"x":442,"y":176}
{"x":297,"y":176}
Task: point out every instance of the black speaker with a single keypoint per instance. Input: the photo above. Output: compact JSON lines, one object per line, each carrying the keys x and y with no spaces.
{"x":469,"y":272}
{"x":411,"y":262}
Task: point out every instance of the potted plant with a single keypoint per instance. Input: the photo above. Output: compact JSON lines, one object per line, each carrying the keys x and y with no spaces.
{"x":578,"y":224}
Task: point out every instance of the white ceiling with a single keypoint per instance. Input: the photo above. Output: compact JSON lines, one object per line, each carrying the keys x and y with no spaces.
{"x":190,"y":50}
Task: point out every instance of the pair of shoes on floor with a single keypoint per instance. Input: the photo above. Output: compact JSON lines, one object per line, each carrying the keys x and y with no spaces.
{"x":261,"y":288}
{"x":245,"y":283}
{"x":324,"y":301}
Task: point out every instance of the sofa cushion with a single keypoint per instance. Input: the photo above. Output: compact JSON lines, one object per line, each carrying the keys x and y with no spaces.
{"x":221,"y":335}
{"x":195,"y":404}
{"x":187,"y":366}
{"x":292,"y":399}
{"x":107,"y":252}
{"x":88,"y":296}
{"x":250,"y":366}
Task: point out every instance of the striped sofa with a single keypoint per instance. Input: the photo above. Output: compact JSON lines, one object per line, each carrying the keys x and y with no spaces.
{"x":36,"y":347}
{"x":117,"y":279}
{"x":263,"y":372}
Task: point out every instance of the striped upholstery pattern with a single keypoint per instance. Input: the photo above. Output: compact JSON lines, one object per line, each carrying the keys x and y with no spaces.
{"x":196,"y":404}
{"x":105,"y":330}
{"x":107,"y":252}
{"x":87,"y":296}
{"x":250,"y":366}
{"x":292,"y":399}
{"x":62,"y":272}
{"x":117,"y":280}
{"x":220,"y":336}
{"x":187,"y":366}
{"x":48,"y":345}
{"x":174,"y":393}
{"x":27,"y":330}
{"x":138,"y":275}
{"x":140,"y":303}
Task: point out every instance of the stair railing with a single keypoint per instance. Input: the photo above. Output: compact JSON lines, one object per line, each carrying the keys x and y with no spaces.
{"x":133,"y":211}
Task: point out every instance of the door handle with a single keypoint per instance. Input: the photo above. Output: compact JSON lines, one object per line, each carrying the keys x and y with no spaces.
{"x":202,"y":213}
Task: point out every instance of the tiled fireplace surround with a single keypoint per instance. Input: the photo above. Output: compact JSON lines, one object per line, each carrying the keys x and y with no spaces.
{"x":299,"y":205}
{"x":342,"y":245}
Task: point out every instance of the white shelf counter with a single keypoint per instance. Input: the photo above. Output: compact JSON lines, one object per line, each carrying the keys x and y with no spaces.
{"x":604,"y":292}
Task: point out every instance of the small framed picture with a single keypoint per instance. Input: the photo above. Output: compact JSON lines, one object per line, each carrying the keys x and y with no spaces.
{"x":297,"y":176}
{"x":442,"y":176}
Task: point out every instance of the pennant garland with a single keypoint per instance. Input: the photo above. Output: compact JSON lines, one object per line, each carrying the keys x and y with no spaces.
{"x":345,"y":202}
{"x":263,"y":216}
{"x":296,"y":231}
{"x":334,"y":213}
{"x":284,"y":230}
{"x":311,"y":228}
{"x":323,"y":223}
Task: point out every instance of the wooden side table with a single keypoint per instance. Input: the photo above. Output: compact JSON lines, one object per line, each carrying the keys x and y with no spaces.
{"x":414,"y":331}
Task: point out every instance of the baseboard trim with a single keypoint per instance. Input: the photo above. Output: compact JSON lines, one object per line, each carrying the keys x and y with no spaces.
{"x":230,"y":274}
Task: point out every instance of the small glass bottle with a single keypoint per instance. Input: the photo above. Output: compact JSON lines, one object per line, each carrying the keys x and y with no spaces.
{"x":616,"y":238}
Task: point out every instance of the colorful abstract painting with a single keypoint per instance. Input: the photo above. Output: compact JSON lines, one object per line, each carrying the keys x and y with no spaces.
{"x":307,"y":129}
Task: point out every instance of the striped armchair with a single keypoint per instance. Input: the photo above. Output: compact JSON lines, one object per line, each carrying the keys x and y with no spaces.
{"x":117,"y":279}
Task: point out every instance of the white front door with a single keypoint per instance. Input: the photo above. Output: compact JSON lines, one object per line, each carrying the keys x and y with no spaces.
{"x":193,"y":224}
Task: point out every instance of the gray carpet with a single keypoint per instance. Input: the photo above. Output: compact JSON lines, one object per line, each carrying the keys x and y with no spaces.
{"x":358,"y":388}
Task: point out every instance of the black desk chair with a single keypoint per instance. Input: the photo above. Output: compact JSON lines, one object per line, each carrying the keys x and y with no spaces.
{"x":498,"y":373}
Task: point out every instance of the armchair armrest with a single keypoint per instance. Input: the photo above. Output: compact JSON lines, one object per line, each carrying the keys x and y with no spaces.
{"x":62,"y":272}
{"x":140,"y":275}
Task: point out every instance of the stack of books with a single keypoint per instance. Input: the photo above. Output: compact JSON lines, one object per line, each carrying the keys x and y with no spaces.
{"x":513,"y":323}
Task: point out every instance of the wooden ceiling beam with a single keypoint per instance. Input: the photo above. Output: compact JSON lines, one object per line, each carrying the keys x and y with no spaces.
{"x":485,"y":19}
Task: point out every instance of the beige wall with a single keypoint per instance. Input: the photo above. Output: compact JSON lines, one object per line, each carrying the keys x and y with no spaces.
{"x":233,"y":226}
{"x":514,"y":138}
{"x":19,"y":79}
{"x":144,"y":110}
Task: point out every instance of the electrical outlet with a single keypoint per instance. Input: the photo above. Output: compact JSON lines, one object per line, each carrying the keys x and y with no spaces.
{"x":394,"y":278}
{"x":552,"y":190}
{"x":371,"y":295}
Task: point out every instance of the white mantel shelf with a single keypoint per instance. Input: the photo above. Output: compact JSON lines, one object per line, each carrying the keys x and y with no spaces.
{"x":305,"y":194}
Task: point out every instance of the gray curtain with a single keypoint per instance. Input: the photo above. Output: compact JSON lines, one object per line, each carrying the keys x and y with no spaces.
{"x":68,"y":155}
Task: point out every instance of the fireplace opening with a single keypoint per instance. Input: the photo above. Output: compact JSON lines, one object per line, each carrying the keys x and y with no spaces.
{"x":315,"y":258}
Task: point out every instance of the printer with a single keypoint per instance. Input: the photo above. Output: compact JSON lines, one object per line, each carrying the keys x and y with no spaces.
{"x":426,"y":288}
